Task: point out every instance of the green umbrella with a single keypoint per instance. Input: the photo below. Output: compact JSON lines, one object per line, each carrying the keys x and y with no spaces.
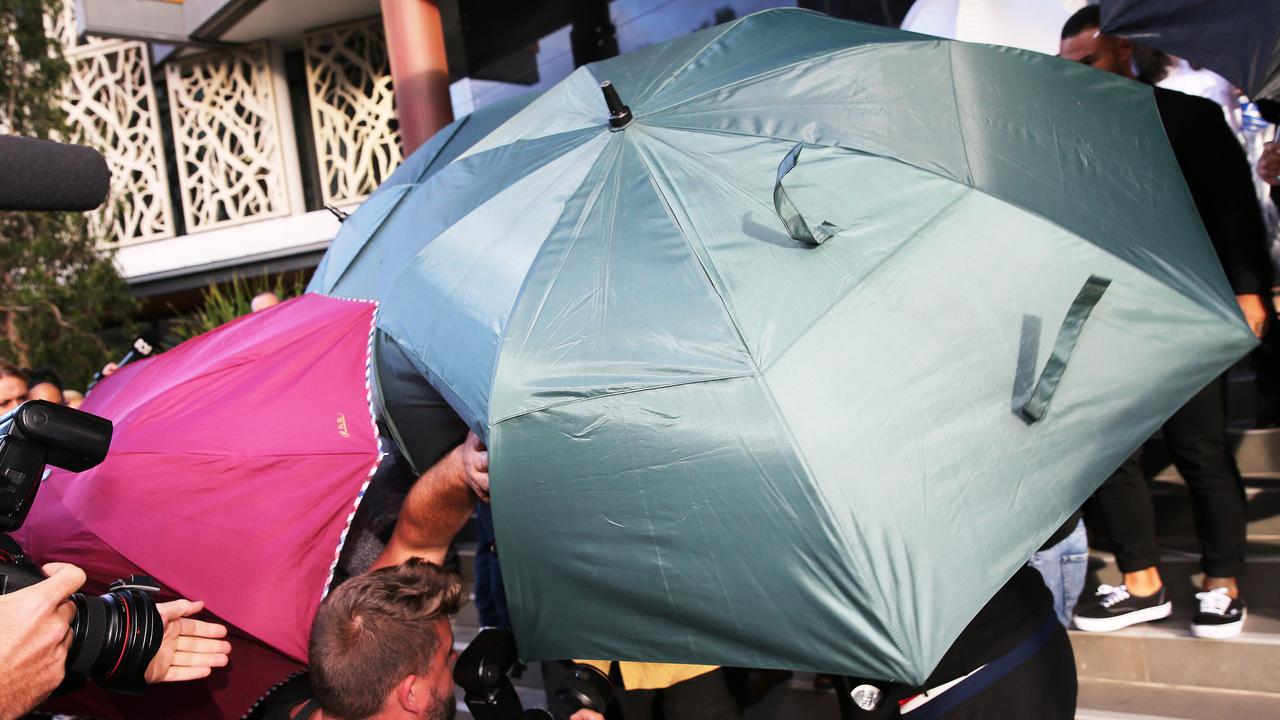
{"x":792,"y":353}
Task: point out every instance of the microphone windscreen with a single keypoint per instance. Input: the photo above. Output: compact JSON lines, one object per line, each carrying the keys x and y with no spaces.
{"x":46,"y":175}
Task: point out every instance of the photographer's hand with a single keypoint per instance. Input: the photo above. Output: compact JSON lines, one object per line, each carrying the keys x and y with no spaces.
{"x":190,"y":648}
{"x":585,"y":714}
{"x":35,"y":633}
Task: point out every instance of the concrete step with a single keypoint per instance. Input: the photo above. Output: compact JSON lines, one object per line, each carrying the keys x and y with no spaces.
{"x":1180,"y":570}
{"x":1174,"y":517}
{"x":1101,"y":699}
{"x":1165,"y":653}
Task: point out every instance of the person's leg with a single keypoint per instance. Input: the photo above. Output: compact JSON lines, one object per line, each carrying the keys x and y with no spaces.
{"x":1063,"y":567}
{"x":1121,"y":509}
{"x":705,"y":697}
{"x":1123,"y":506}
{"x":1075,"y":565}
{"x":1197,"y":439}
{"x":486,"y":570}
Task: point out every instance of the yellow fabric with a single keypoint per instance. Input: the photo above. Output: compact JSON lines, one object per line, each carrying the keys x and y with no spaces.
{"x":651,"y":676}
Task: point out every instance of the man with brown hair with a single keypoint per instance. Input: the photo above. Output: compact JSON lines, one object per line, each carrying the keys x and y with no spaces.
{"x":382,"y":647}
{"x":381,"y":644}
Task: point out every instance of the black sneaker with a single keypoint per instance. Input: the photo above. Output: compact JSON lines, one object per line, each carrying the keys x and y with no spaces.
{"x":1220,"y":616}
{"x":1113,"y":608}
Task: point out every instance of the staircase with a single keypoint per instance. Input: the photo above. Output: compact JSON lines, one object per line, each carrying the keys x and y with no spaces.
{"x":1149,"y":672}
{"x":1158,"y":669}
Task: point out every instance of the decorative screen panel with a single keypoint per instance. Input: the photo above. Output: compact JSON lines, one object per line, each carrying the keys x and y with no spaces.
{"x":111,"y":105}
{"x":227,"y":138}
{"x":352,"y":109}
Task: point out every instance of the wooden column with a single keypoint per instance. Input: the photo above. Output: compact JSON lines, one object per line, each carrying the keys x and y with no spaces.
{"x":419,"y":69}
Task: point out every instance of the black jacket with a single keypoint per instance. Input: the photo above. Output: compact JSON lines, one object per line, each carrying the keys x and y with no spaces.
{"x":1221,"y":183}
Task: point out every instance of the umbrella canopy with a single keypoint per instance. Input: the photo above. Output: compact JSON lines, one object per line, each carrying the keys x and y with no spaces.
{"x":1027,"y":24}
{"x":236,"y":465}
{"x":795,"y":360}
{"x":402,"y":395}
{"x":1238,"y":39}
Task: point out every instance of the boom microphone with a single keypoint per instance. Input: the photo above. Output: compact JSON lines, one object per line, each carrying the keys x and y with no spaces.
{"x":51,"y":176}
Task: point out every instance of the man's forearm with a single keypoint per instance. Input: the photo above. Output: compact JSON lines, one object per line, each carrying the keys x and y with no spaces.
{"x":435,"y":510}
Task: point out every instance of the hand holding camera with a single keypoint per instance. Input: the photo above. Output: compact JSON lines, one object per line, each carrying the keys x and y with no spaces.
{"x":35,"y":635}
{"x":190,"y":649}
{"x":121,"y":639}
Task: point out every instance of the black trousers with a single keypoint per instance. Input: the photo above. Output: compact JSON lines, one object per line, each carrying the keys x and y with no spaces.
{"x":1197,"y":439}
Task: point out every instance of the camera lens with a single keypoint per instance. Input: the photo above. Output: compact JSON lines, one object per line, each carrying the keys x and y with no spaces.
{"x":114,"y":637}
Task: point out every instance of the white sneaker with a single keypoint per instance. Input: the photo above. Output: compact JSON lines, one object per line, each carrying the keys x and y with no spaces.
{"x":1220,"y":616}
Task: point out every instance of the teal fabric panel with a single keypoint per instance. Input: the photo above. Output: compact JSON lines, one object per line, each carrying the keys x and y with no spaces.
{"x":429,"y":208}
{"x":616,"y":300}
{"x":720,"y":190}
{"x":353,"y":234}
{"x":917,"y":442}
{"x":747,"y":48}
{"x":894,"y":100}
{"x":1084,"y":148}
{"x":1054,"y":137}
{"x":449,"y":305}
{"x":466,"y":132}
{"x":696,"y":537}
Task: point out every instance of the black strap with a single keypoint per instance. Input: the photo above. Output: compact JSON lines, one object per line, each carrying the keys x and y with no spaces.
{"x":787,"y":212}
{"x":1068,"y":335}
{"x":985,"y":676}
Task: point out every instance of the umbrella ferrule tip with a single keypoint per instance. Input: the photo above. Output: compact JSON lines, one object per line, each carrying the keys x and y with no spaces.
{"x":619,"y":115}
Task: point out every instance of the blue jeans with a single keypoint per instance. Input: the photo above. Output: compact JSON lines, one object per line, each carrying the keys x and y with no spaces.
{"x":1063,"y":567}
{"x":491,"y":596}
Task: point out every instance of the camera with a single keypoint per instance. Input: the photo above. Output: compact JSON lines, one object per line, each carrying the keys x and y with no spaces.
{"x":114,"y":635}
{"x":482,"y":672}
{"x":39,"y":433}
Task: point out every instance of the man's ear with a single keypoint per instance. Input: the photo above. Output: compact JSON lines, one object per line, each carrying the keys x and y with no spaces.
{"x":1124,"y":50}
{"x":409,"y":697}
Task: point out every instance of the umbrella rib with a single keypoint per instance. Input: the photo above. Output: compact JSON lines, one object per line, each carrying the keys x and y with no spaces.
{"x":628,"y":391}
{"x":955,"y":105}
{"x":1218,"y":310}
{"x":862,"y":571}
{"x":417,"y":181}
{"x":423,"y":183}
{"x":666,"y":204}
{"x":774,"y":71}
{"x":675,"y":73}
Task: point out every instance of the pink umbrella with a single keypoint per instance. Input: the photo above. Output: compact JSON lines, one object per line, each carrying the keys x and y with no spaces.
{"x":237,"y":463}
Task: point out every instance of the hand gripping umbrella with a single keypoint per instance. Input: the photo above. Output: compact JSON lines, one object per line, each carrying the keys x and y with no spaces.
{"x":1238,"y":39}
{"x":792,"y":345}
{"x":235,"y":467}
